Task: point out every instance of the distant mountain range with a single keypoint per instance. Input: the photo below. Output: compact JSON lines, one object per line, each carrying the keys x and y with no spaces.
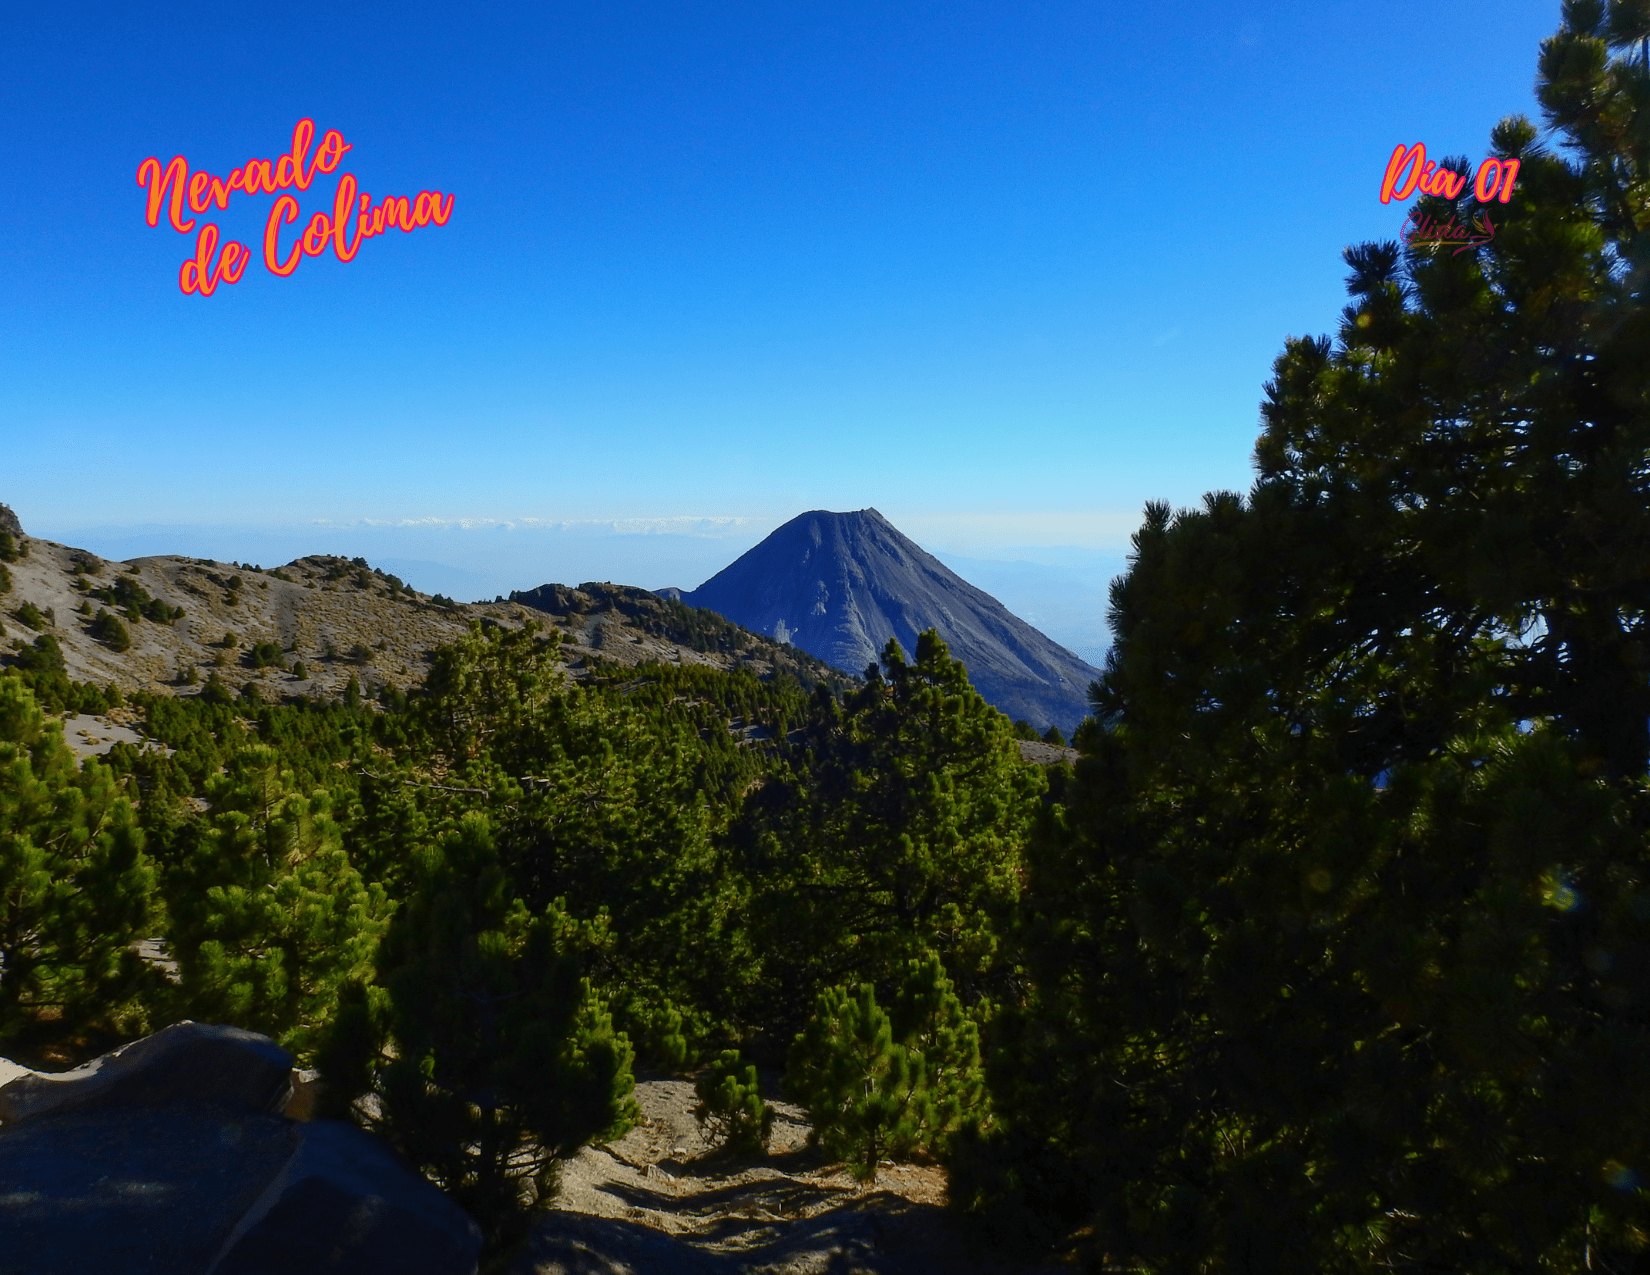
{"x":839,"y":585}
{"x":831,"y":587}
{"x":309,"y":627}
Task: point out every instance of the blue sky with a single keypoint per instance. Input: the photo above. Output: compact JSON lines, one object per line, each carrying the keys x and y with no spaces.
{"x":1002,"y":271}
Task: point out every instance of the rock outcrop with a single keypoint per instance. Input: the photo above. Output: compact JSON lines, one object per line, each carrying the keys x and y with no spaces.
{"x":173,"y":1157}
{"x":839,"y":585}
{"x":9,"y":522}
{"x":187,"y":1064}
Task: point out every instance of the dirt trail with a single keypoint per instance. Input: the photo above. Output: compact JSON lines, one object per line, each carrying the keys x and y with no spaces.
{"x":660,"y":1201}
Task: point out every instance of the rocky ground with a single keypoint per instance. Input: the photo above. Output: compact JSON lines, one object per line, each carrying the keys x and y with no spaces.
{"x":662,"y":1200}
{"x":331,"y":618}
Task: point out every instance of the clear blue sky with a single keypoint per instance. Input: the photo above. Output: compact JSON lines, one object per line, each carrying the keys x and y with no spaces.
{"x":1003,"y":271}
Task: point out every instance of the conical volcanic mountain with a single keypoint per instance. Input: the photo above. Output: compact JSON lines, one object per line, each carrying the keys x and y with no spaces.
{"x":840,"y":585}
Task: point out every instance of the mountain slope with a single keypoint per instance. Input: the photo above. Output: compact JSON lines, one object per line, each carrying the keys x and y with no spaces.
{"x":839,"y":585}
{"x":337,"y":618}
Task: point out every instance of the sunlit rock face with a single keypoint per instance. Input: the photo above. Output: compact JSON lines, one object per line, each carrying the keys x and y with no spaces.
{"x":839,"y":585}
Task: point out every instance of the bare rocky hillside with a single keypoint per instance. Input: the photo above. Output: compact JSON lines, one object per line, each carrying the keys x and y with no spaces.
{"x":328,"y":619}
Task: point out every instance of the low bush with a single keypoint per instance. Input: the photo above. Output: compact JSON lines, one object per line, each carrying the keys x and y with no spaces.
{"x":108,"y":629}
{"x":265,"y":655}
{"x":730,"y":1109}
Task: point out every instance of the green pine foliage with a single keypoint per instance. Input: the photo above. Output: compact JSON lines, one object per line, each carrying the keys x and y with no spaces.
{"x":730,"y":1110}
{"x":470,"y":901}
{"x":896,"y":828}
{"x":883,"y":1084}
{"x":5,"y":578}
{"x":270,"y":918}
{"x":107,"y":628}
{"x":76,"y":891}
{"x":1337,"y":943}
{"x":615,"y":800}
{"x":214,"y":691}
{"x":861,"y":1090}
{"x":501,"y":1058}
{"x":134,"y":601}
{"x":29,"y":616}
{"x":265,"y":655}
{"x":1330,"y":954}
{"x":40,"y":667}
{"x":929,"y":1019}
{"x":43,"y":659}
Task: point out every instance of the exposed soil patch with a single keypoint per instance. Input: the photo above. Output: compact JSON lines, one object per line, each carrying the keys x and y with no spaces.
{"x":661,"y":1200}
{"x":89,"y":736}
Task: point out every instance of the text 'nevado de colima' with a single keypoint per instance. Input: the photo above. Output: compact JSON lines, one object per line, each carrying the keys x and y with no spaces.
{"x":353,"y":218}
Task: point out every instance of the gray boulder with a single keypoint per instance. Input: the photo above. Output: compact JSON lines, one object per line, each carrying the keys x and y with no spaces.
{"x":9,"y":522}
{"x":194,"y":1064}
{"x":171,"y":1157}
{"x":344,"y":1203}
{"x":141,"y":1192}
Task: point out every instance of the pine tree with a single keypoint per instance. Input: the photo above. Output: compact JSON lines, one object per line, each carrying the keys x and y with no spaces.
{"x":501,"y":1060}
{"x":491,"y":685}
{"x":76,"y":891}
{"x":107,"y":628}
{"x":1339,"y":941}
{"x":609,"y":809}
{"x":881,"y":1085}
{"x":862,"y":1090}
{"x":730,"y":1110}
{"x":270,"y":917}
{"x":898,"y":830}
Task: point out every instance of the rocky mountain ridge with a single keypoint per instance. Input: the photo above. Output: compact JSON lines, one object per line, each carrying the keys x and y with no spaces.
{"x":308,"y":627}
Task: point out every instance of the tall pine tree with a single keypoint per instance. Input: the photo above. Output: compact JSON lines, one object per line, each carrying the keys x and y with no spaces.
{"x":897,"y":831}
{"x":491,"y":1056}
{"x":1340,"y":943}
{"x":76,"y":892}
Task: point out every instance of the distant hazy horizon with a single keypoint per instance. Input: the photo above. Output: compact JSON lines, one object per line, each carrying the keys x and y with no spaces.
{"x":1059,"y":589}
{"x":972,"y":265}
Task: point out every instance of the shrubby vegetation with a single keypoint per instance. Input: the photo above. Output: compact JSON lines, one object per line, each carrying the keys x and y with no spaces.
{"x":265,"y":655}
{"x":107,"y":628}
{"x":478,"y":903}
{"x":134,"y":602}
{"x":883,"y":1084}
{"x":1337,"y":944}
{"x":1330,"y":954}
{"x":76,"y":890}
{"x":730,"y":1110}
{"x":492,"y":1055}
